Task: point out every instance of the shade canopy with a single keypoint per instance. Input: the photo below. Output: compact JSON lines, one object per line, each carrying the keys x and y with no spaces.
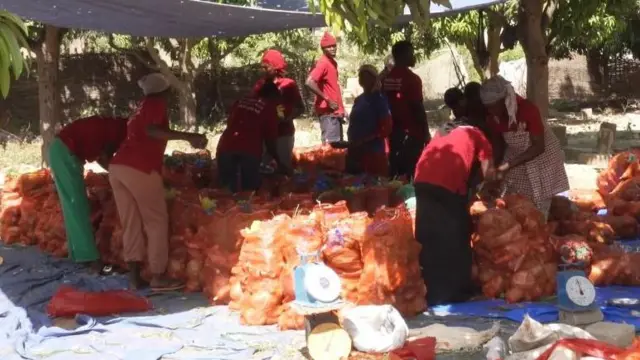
{"x":187,"y":18}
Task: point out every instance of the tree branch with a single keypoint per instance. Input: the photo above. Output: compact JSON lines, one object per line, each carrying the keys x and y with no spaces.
{"x":134,"y":52}
{"x":162,"y":65}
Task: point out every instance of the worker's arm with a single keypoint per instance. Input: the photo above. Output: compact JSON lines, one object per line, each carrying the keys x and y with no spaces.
{"x":298,"y":103}
{"x":198,"y":141}
{"x":533,"y":151}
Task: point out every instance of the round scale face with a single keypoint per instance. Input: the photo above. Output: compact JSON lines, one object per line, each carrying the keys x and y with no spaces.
{"x":580,"y":291}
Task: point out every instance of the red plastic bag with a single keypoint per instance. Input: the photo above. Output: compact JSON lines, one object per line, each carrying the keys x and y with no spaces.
{"x":585,"y":347}
{"x":421,"y":349}
{"x":68,"y":302}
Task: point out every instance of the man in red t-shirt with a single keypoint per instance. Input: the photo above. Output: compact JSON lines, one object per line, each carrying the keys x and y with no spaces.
{"x":323,"y":82}
{"x":90,"y":139}
{"x":251,"y":127}
{"x":443,"y":223}
{"x":291,"y":105}
{"x":410,"y":129}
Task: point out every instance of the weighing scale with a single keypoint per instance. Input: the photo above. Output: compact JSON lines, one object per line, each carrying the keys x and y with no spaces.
{"x":317,"y":289}
{"x":576,"y":296}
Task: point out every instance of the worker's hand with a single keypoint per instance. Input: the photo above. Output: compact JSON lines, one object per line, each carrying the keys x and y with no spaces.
{"x":501,"y":171}
{"x":198,"y":141}
{"x":333,"y":105}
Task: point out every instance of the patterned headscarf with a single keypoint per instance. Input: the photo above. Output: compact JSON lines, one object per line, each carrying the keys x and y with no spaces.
{"x":497,"y":88}
{"x":371,"y":70}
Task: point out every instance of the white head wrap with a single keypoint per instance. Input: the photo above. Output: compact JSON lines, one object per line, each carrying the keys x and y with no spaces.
{"x":497,"y":88}
{"x":153,"y":83}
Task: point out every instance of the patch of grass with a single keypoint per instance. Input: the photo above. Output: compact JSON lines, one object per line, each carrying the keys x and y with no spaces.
{"x":23,"y":156}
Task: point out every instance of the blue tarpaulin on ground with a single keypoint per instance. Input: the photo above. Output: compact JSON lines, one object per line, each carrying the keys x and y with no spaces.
{"x":185,"y":18}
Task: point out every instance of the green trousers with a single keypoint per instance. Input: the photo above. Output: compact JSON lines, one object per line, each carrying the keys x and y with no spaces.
{"x":68,"y":176}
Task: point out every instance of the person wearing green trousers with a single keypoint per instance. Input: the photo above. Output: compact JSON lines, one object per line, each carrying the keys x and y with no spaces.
{"x":94,"y":138}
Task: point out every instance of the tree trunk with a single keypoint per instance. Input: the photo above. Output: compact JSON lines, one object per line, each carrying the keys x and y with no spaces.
{"x":493,"y":43}
{"x":534,"y":42}
{"x":482,"y":73}
{"x":47,"y":58}
{"x":188,"y":106}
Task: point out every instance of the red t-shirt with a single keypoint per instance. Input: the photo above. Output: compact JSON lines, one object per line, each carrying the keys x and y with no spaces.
{"x":403,"y":87}
{"x":447,"y":160}
{"x":325,"y":74}
{"x":527,"y":119}
{"x":252,"y":121}
{"x":139,"y":150}
{"x":87,"y":138}
{"x":290,"y":99}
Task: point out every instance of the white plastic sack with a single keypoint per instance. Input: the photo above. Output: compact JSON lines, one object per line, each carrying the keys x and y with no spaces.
{"x":532,"y":339}
{"x":375,"y":329}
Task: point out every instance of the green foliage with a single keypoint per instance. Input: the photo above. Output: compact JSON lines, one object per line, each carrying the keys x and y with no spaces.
{"x":584,"y":25}
{"x":13,"y":38}
{"x":513,"y":54}
{"x":356,"y":16}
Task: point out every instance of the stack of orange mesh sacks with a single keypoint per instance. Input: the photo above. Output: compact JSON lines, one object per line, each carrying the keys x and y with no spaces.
{"x":513,"y":254}
{"x":310,"y":159}
{"x":22,"y":199}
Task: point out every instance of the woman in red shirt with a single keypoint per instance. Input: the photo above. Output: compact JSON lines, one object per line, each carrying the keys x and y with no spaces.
{"x":90,"y":139}
{"x":252,"y":126}
{"x":448,"y":168}
{"x":291,"y":105}
{"x":533,"y":162}
{"x":134,"y":174}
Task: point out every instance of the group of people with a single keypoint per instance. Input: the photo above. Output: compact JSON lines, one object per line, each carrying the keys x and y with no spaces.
{"x":496,"y":139}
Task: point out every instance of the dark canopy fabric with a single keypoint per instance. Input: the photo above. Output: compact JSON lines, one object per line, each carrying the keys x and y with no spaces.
{"x":185,"y":18}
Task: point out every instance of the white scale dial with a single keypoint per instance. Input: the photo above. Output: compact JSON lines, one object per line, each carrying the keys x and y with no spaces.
{"x":580,"y":291}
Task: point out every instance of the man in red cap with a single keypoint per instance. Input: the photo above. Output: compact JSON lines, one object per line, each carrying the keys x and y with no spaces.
{"x":323,"y":82}
{"x":291,"y":105}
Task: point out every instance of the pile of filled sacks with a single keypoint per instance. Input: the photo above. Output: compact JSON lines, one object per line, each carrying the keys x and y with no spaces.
{"x":512,"y":253}
{"x":376,"y":260}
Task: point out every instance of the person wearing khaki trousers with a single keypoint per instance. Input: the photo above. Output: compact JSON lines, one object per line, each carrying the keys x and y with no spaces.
{"x":134,"y":174}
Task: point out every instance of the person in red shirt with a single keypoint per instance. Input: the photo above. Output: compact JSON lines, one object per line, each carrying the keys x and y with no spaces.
{"x":443,"y":224}
{"x":94,"y":138}
{"x":291,"y":105}
{"x":533,"y":163}
{"x":252,"y":126}
{"x":138,"y":189}
{"x":323,"y":82}
{"x":410,"y":129}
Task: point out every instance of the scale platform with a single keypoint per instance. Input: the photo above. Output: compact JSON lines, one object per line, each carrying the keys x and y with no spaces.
{"x":580,"y":318}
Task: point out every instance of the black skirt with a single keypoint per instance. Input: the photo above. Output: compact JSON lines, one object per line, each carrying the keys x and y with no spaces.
{"x":443,"y":227}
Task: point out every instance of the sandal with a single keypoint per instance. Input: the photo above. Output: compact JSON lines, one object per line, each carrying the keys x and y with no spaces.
{"x":165,"y":285}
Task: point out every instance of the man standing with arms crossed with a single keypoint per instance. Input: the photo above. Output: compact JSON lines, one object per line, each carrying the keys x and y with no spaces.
{"x":323,"y":82}
{"x":410,"y":129}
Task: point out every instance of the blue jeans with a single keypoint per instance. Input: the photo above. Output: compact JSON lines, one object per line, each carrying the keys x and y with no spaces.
{"x":331,"y":128}
{"x":239,"y":172}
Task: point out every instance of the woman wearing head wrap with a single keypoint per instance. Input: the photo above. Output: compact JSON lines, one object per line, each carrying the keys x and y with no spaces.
{"x":369,"y":126}
{"x":533,"y":162}
{"x":134,"y":174}
{"x":291,"y":105}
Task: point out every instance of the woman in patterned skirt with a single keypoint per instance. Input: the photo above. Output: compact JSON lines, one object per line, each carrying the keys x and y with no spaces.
{"x":533,"y":162}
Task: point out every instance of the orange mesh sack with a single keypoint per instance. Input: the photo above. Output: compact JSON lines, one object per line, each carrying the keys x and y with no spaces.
{"x":514,"y":257}
{"x":342,"y":251}
{"x":618,"y":165}
{"x":258,"y":272}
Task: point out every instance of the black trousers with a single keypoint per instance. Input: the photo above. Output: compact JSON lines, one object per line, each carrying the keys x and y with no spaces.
{"x":404,"y":152}
{"x":443,"y":227}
